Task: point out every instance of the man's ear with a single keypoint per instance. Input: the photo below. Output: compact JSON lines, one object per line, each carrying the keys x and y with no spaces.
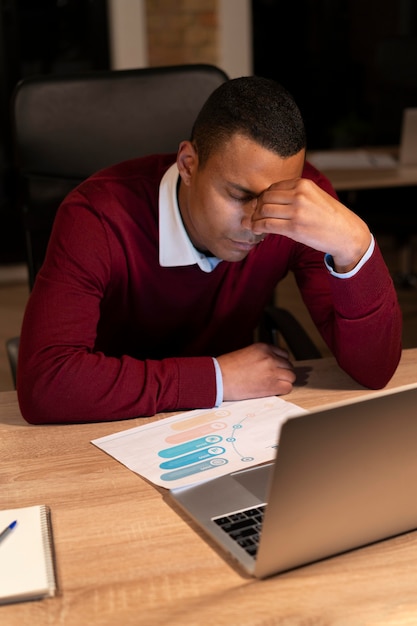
{"x":187,"y":161}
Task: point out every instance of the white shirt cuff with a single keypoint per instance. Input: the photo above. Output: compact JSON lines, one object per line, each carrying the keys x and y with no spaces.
{"x":328,"y":261}
{"x":219,"y":383}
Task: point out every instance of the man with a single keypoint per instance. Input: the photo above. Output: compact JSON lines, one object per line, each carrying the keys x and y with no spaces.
{"x":158,"y":269}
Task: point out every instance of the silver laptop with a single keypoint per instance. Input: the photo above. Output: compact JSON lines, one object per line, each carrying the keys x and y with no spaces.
{"x":408,"y":142}
{"x":343,"y":477}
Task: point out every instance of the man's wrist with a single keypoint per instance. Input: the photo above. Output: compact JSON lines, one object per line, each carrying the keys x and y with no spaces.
{"x":329,"y":262}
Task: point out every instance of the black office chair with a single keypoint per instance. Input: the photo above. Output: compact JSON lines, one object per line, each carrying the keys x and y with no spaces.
{"x":67,"y":127}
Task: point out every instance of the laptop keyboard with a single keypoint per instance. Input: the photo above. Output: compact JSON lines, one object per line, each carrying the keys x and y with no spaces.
{"x":244,"y":527}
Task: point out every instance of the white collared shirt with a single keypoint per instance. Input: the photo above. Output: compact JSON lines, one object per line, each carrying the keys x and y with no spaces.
{"x":175,"y":247}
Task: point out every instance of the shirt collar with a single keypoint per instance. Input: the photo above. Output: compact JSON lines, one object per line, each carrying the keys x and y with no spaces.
{"x":175,"y":247}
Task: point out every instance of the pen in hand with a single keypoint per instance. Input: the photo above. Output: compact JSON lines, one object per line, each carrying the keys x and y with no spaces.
{"x":7,"y":530}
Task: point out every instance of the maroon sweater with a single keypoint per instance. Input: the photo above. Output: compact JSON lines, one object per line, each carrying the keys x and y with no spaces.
{"x":109,"y":334}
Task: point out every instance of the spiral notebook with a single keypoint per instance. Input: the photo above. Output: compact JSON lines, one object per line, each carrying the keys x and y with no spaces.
{"x":27,"y":563}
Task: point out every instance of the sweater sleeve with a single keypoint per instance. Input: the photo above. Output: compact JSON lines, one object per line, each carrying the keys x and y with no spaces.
{"x":358,"y":317}
{"x":62,"y":376}
{"x":366,"y":336}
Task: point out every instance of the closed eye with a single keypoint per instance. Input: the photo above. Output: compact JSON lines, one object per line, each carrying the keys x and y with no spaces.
{"x":242,"y":199}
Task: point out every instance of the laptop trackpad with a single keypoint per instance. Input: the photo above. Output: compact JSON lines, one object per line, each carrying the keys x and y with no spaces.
{"x":256,"y":480}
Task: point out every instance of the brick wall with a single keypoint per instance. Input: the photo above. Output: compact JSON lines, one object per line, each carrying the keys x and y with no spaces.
{"x":182,"y":31}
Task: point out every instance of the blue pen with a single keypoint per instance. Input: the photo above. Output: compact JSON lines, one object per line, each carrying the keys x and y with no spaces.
{"x":7,"y":530}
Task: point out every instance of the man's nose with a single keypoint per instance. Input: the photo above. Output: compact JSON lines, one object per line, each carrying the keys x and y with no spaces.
{"x":248,"y":211}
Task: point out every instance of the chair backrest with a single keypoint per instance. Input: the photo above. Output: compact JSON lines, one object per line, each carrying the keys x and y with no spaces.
{"x":67,"y":127}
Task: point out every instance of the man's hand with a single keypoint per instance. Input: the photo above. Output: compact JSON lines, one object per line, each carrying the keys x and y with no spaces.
{"x":256,"y":371}
{"x":302,"y":211}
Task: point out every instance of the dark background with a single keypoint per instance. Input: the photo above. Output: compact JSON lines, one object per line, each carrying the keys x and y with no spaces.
{"x":351,"y":65}
{"x":41,"y":37}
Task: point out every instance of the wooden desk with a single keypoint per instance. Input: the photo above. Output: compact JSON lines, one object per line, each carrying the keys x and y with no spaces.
{"x":126,"y":558}
{"x":352,"y":179}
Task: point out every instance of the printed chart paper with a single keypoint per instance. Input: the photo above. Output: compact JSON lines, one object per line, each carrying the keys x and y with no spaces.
{"x":202,"y":444}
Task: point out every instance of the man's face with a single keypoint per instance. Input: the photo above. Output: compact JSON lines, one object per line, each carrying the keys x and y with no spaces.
{"x":215,"y":199}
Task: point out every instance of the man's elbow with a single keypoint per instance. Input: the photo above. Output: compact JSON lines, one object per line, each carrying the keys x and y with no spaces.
{"x":33,"y":408}
{"x":377,"y":377}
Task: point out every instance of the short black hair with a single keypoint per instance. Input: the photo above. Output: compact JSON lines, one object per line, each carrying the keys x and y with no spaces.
{"x":259,"y":108}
